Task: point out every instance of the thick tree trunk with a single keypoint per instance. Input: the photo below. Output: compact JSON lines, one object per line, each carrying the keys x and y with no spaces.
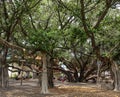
{"x":50,"y":73}
{"x":4,"y":77}
{"x":116,"y":73}
{"x":50,"y":79}
{"x":69,"y":76}
{"x":76,"y":76}
{"x":40,"y":79}
{"x":44,"y":75}
{"x":98,"y":74}
{"x":81,"y":76}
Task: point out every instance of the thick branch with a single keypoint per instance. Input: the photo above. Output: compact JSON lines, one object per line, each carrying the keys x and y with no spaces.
{"x":108,"y":5}
{"x":10,"y":45}
{"x":83,"y":17}
{"x":101,"y":18}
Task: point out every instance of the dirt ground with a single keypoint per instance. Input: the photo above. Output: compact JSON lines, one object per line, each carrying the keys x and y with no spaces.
{"x":30,"y":88}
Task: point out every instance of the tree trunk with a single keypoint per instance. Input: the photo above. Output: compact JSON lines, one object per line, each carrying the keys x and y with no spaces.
{"x":4,"y":77}
{"x":50,"y":73}
{"x":116,"y":73}
{"x":44,"y":75}
{"x":81,"y":78}
{"x":69,"y":76}
{"x":76,"y":76}
{"x":40,"y":79}
{"x":98,"y":73}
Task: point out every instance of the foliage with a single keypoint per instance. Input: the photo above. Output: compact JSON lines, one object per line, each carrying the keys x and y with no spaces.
{"x":63,"y":28}
{"x":43,"y":40}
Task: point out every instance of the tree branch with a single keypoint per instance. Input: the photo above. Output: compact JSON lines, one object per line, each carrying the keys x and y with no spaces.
{"x":108,"y":5}
{"x":10,"y":45}
{"x":83,"y":17}
{"x":114,"y":47}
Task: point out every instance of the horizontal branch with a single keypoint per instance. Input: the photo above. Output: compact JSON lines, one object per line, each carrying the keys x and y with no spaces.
{"x":10,"y":45}
{"x":19,"y":69}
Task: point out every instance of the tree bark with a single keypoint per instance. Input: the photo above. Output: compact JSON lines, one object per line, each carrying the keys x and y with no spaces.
{"x":50,"y":73}
{"x":76,"y":76}
{"x":4,"y":77}
{"x":116,"y":77}
{"x":44,"y":75}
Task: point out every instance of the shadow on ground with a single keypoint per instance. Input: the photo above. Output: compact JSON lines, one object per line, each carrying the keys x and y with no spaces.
{"x":30,"y":88}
